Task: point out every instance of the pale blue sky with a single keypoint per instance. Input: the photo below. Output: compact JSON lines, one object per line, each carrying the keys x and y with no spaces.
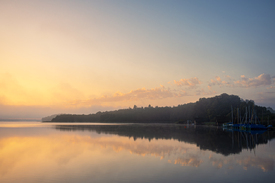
{"x":93,"y":55}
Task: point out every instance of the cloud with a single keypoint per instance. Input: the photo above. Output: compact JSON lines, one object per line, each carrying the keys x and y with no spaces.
{"x":192,"y":82}
{"x":203,"y":92}
{"x":138,"y":94}
{"x":273,"y":83}
{"x":261,"y":80}
{"x":153,"y":94}
{"x":266,"y":99}
{"x":219,"y":82}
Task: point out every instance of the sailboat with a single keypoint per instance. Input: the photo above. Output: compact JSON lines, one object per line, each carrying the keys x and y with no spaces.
{"x":248,"y":124}
{"x":253,"y":126}
{"x":230,"y":124}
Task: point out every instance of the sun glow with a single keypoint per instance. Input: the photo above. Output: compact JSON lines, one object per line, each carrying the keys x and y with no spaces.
{"x":69,"y":54}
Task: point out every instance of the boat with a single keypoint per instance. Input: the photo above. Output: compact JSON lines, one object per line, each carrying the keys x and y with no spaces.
{"x":227,"y":125}
{"x":246,"y":125}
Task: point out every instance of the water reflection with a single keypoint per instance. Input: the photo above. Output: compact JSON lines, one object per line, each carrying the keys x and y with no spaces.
{"x":225,"y":142}
{"x":266,"y":164}
{"x":132,"y":153}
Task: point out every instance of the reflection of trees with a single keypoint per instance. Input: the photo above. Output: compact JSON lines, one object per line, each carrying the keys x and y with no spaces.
{"x":207,"y":138}
{"x":250,"y":139}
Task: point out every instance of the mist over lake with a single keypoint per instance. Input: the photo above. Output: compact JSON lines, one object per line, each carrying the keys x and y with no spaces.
{"x":39,"y":152}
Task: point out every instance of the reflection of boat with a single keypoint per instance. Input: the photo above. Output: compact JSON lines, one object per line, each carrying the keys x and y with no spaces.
{"x":247,"y":138}
{"x":259,"y":131}
{"x":252,"y":127}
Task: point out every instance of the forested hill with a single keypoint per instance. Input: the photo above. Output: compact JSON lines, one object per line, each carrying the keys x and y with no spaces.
{"x":215,"y":109}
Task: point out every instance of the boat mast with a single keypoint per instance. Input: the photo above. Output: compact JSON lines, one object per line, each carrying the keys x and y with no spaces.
{"x":238,"y":115}
{"x":241,"y":121}
{"x":245,"y":114}
{"x":255,"y":116}
{"x":262,"y":122}
{"x":249,"y":114}
{"x":232,"y":114}
{"x":252,"y":115}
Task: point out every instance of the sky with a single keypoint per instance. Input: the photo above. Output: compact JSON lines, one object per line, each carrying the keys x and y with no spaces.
{"x":66,"y":56}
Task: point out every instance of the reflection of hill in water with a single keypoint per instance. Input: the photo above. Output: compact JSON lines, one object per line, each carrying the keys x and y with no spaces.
{"x":207,"y":138}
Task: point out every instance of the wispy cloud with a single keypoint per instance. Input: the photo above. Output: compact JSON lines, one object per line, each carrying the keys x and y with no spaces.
{"x":261,"y":80}
{"x":65,"y":95}
{"x":203,"y":92}
{"x":138,"y":94}
{"x":219,"y":82}
{"x":192,"y":82}
{"x":243,"y":81}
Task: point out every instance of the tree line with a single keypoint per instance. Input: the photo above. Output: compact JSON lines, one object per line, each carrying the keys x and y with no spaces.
{"x":215,"y":109}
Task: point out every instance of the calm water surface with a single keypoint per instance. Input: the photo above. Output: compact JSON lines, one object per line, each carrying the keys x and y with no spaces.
{"x":52,"y":152}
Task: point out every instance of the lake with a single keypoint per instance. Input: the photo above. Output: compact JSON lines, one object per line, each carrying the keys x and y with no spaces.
{"x":86,"y":152}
